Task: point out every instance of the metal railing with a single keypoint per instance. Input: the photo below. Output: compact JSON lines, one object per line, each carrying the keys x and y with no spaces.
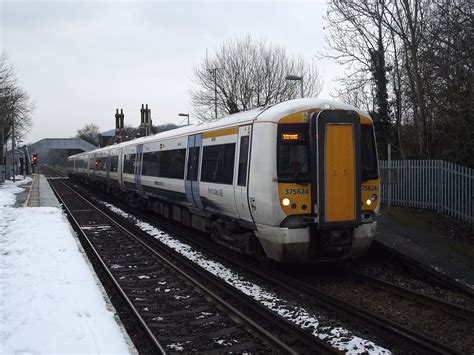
{"x":431,"y":184}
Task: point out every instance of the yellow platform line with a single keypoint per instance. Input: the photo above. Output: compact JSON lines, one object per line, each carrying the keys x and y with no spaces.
{"x":29,"y":192}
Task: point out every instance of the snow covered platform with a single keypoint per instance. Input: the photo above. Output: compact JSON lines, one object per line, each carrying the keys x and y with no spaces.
{"x":50,"y":299}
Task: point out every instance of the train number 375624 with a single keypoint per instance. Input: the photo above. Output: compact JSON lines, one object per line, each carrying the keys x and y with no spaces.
{"x":296,"y":191}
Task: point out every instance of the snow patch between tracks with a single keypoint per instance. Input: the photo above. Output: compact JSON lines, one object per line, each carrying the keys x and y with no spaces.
{"x":338,"y":337}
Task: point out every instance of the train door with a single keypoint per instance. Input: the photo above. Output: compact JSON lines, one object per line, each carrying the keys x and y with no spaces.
{"x":337,"y":152}
{"x":241,"y":172}
{"x":137,"y":171}
{"x":107,"y":167}
{"x":120,"y":169}
{"x":191,"y":184}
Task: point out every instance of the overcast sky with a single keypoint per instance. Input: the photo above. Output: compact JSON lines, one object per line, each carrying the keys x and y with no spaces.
{"x":81,"y":60}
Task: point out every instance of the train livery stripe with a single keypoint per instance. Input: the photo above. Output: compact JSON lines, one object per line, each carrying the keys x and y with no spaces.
{"x":220,"y":132}
{"x":339,"y":171}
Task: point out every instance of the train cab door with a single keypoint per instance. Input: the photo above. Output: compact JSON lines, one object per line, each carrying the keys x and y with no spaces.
{"x":336,"y":148}
{"x":191,"y":184}
{"x":241,"y":173}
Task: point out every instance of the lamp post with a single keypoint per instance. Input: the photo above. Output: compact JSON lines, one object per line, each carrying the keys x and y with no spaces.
{"x":184,"y":115}
{"x":13,"y":147}
{"x":298,"y":78}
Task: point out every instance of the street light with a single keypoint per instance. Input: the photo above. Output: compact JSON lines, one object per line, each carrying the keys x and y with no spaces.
{"x":298,"y":78}
{"x":184,"y":115}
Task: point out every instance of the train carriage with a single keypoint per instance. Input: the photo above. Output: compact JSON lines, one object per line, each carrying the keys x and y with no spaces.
{"x":296,"y":181}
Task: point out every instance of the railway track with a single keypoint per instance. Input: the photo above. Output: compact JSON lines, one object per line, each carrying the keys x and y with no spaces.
{"x":382,"y":325}
{"x":173,"y":316}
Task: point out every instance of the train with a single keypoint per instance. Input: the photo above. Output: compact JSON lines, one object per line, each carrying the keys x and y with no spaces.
{"x":294,"y":182}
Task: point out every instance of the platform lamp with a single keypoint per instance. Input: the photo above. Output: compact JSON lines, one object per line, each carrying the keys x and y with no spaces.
{"x":184,"y":115}
{"x":297,"y":78}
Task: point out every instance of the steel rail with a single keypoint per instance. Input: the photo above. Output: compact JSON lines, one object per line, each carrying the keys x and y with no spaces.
{"x":82,"y":235}
{"x":263,"y":333}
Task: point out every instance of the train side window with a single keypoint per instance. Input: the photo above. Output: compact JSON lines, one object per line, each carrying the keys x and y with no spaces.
{"x":193,"y":163}
{"x":218,"y":163}
{"x":177,"y":160}
{"x":113,"y":164}
{"x":243,"y":161}
{"x":129,"y":164}
{"x":150,"y":165}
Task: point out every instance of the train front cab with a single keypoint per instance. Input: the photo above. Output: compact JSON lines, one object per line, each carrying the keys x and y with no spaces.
{"x":328,"y":187}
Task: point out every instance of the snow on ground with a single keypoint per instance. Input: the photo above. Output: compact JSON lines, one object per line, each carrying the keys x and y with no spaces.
{"x":340,"y":338}
{"x":49,"y":299}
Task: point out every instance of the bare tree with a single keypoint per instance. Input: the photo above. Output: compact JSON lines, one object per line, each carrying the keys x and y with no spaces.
{"x":90,"y":133}
{"x":358,"y":39}
{"x":426,"y":50}
{"x":245,"y":74}
{"x":16,"y":106}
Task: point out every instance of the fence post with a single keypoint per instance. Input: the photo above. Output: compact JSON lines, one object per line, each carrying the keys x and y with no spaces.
{"x":389,"y":169}
{"x":439,"y":184}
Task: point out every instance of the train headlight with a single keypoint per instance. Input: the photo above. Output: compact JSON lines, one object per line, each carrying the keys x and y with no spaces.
{"x":373,"y":197}
{"x":286,"y":201}
{"x":368,"y":202}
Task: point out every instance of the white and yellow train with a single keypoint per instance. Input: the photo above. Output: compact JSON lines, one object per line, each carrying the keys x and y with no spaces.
{"x":296,"y":182}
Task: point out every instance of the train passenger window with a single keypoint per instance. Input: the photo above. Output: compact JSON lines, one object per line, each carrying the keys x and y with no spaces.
{"x":92,"y":164}
{"x":193,"y":163}
{"x":218,"y":163}
{"x":293,"y":153}
{"x":369,"y":168}
{"x":114,"y":164}
{"x":243,"y":161}
{"x":168,"y":164}
{"x":129,"y":164}
{"x":177,"y":159}
{"x":150,"y":165}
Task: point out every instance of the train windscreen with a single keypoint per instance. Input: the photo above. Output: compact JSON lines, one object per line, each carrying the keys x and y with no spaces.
{"x":293,"y":152}
{"x":369,"y":169}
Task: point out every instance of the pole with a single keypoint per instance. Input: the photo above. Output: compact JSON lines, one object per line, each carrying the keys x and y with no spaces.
{"x":13,"y":147}
{"x":215,"y":92}
{"x":301,"y":86}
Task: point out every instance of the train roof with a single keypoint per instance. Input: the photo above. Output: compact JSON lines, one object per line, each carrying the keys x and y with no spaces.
{"x":272,"y":113}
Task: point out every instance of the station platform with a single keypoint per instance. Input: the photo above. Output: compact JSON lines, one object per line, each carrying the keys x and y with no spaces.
{"x":52,"y":300}
{"x":40,"y":193}
{"x":432,"y":240}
